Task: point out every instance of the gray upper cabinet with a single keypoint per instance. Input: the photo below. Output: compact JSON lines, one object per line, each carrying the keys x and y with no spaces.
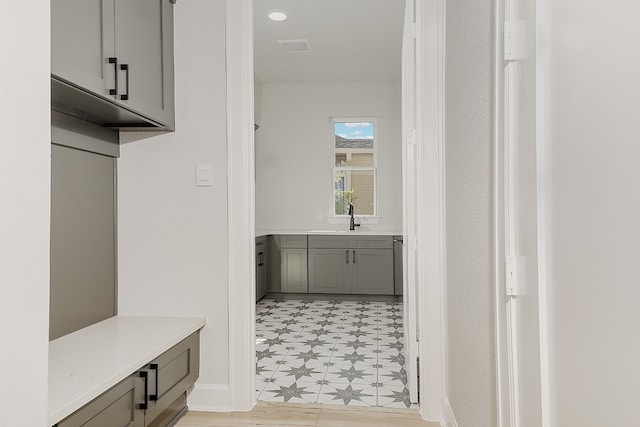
{"x":79,"y":48}
{"x":112,"y":61}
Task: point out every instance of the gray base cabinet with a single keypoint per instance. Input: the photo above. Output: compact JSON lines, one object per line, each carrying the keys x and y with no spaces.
{"x":329,"y":271}
{"x":351,"y":265}
{"x":117,"y":407}
{"x":152,"y":397}
{"x":261,"y":267}
{"x":372,"y":272}
{"x":293,"y":270}
{"x":293,"y":263}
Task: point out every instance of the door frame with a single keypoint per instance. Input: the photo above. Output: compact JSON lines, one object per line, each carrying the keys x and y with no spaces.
{"x":429,"y":241}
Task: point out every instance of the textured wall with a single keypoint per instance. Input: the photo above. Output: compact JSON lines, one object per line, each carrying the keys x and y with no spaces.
{"x":468,"y":141}
{"x":25,"y":148}
{"x":293,"y":157}
{"x":172,"y":240}
{"x":592,"y":208}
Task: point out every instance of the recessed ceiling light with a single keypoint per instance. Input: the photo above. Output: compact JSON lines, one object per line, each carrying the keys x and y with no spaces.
{"x":277,"y":15}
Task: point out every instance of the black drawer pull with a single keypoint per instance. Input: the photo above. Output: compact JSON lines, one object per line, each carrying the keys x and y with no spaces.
{"x":125,"y":67}
{"x":354,"y":256}
{"x":145,"y":376}
{"x":154,"y":367}
{"x":114,"y":61}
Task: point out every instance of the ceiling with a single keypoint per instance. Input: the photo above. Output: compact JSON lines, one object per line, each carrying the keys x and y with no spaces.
{"x":351,"y":40}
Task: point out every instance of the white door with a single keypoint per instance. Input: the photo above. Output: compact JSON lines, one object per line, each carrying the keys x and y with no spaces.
{"x":518,"y":296}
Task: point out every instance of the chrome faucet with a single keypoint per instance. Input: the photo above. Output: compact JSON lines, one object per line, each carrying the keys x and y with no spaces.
{"x":352,"y":223}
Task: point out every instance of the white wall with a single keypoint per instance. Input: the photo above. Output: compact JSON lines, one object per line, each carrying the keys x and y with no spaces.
{"x":25,"y":181}
{"x":293,"y":157}
{"x":172,"y":237}
{"x":468,"y":204}
{"x":591,"y":144}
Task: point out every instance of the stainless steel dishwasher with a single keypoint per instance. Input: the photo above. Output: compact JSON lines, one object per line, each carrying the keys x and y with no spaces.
{"x":397,"y":264}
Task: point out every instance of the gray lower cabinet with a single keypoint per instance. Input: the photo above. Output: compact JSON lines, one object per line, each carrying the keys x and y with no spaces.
{"x":155,"y":396}
{"x":117,"y":407}
{"x":372,"y":271}
{"x":261,"y":267}
{"x":351,"y":265}
{"x":293,"y":263}
{"x":112,"y":61}
{"x":329,"y":271}
{"x":293,"y":275}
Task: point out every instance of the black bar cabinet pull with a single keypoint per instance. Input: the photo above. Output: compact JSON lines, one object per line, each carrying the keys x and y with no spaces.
{"x":114,"y":61}
{"x":154,"y":397}
{"x":145,"y":376}
{"x":125,"y":67}
{"x":354,"y":256}
{"x":347,"y":256}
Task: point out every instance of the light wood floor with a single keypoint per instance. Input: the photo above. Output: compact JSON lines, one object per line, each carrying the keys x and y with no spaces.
{"x":299,"y":415}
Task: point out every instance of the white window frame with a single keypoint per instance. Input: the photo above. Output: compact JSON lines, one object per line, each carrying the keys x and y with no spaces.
{"x":334,"y":218}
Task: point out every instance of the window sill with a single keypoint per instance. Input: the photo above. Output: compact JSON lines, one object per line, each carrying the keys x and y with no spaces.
{"x":344,"y":219}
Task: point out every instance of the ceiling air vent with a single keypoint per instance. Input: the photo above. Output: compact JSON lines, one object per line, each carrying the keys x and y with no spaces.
{"x":295,"y":46}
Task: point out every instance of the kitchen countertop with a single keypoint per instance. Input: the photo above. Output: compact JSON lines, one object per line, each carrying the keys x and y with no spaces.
{"x":345,"y":232}
{"x":86,"y":363}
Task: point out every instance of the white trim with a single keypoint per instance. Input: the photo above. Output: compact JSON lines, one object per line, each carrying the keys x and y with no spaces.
{"x":209,"y":398}
{"x":500,"y":325}
{"x":448,"y":418}
{"x":240,"y":203}
{"x":542,"y":79}
{"x":408,"y":201}
{"x":430,"y":204}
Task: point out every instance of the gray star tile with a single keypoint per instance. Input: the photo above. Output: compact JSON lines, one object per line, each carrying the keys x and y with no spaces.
{"x":347,"y":394}
{"x":301,"y":371}
{"x":400,"y":396}
{"x":291,"y":391}
{"x":355,"y":357}
{"x":351,"y":373}
{"x":308,"y":355}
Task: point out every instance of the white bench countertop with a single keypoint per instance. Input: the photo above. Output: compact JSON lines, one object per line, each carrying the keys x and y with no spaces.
{"x":86,"y":363}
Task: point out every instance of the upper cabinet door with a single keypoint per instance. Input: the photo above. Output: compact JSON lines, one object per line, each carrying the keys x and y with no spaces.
{"x":81,"y":43}
{"x":144,"y":48}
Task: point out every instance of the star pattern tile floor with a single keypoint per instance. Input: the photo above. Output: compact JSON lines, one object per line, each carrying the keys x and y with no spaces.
{"x":335,"y":352}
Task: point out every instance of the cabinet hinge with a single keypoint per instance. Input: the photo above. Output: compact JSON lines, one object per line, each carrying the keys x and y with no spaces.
{"x":514,"y":40}
{"x":510,"y":276}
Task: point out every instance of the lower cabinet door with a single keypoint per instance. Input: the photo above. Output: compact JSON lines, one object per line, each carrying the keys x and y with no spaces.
{"x":170,"y":375}
{"x":372,"y":271}
{"x":117,"y":407}
{"x":294,"y":270}
{"x":329,"y":271}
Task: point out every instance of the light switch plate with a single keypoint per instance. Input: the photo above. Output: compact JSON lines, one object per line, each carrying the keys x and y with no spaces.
{"x":204,"y":176}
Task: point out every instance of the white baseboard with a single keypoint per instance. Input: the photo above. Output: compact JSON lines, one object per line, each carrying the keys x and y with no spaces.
{"x":209,"y":398}
{"x":448,"y":419}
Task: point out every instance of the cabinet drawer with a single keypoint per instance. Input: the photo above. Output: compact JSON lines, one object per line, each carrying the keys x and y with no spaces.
{"x":329,"y":242}
{"x":172,"y":373}
{"x":117,"y":407}
{"x":261,"y":243}
{"x":372,"y":242}
{"x":294,"y":241}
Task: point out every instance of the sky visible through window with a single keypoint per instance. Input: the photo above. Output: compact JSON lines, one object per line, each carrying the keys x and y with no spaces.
{"x":354,"y":130}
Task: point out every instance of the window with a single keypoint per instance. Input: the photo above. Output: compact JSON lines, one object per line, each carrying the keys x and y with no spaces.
{"x":354,"y":166}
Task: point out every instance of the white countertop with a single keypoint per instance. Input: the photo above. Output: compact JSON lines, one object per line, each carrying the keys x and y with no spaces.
{"x":88,"y":362}
{"x":345,"y":232}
